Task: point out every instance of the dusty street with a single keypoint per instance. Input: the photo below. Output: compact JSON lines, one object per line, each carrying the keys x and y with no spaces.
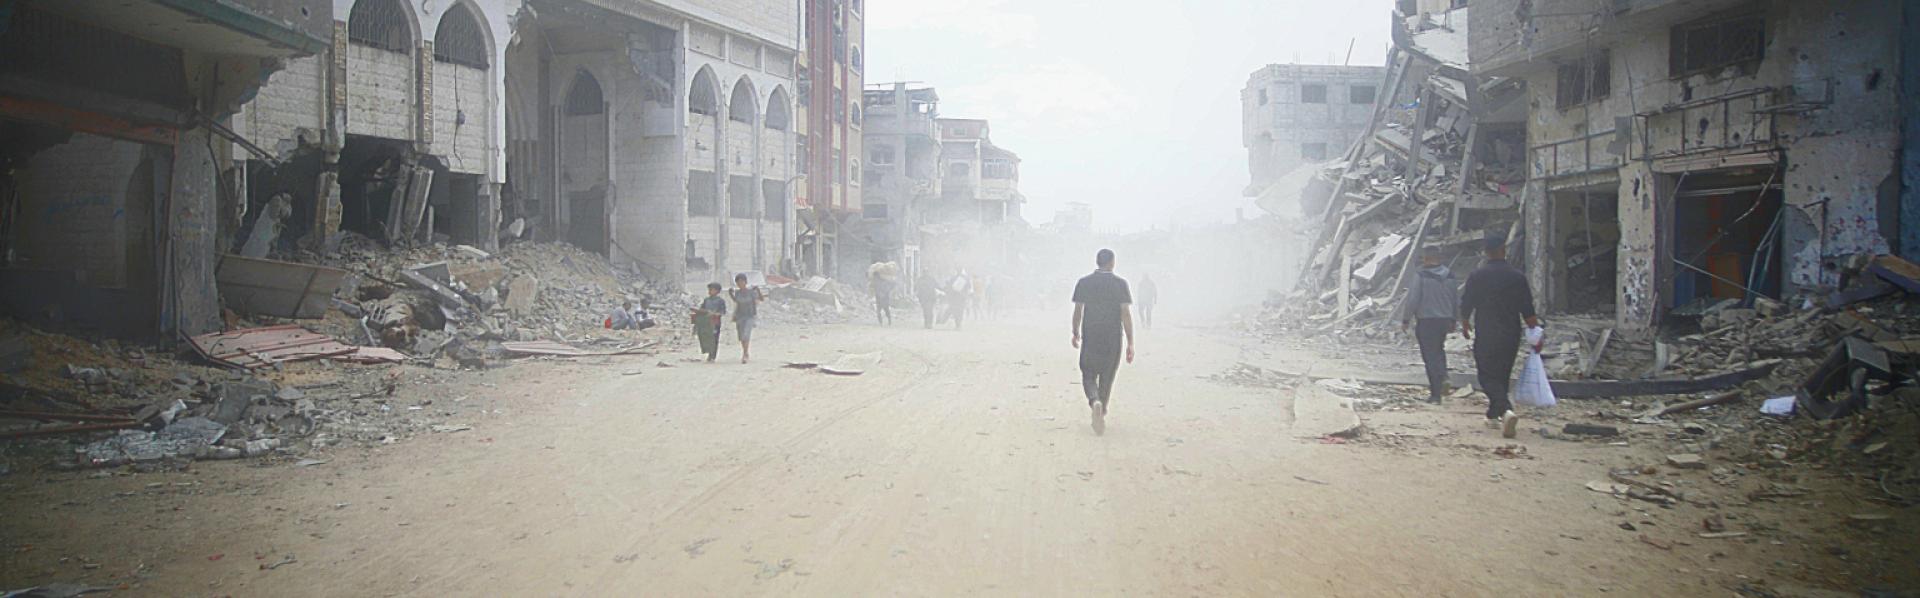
{"x":963,"y":464}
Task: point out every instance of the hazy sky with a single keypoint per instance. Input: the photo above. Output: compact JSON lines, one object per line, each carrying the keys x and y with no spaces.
{"x":1129,"y":105}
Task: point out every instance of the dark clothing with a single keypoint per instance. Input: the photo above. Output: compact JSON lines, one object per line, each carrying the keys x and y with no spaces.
{"x":1432,"y":334}
{"x":1497,"y":299}
{"x":706,"y":324}
{"x":714,"y":306}
{"x":747,"y":302}
{"x":929,"y":297}
{"x":1493,"y":354}
{"x":1096,"y":373}
{"x":1105,"y":298}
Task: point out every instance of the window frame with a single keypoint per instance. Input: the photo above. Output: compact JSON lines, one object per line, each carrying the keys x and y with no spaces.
{"x":1304,"y":87}
{"x":1598,"y":66}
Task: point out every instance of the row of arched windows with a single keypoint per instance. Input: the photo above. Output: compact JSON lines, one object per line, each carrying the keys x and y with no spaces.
{"x":384,"y":24}
{"x":703,"y":97}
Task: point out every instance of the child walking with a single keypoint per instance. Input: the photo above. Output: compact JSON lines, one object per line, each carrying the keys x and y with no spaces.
{"x":706,"y":321}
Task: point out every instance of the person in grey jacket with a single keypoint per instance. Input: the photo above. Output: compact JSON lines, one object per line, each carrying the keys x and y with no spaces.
{"x":1432,"y":302}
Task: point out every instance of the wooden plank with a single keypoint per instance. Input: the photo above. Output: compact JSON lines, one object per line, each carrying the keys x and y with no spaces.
{"x":274,"y":288}
{"x":1592,"y":359}
{"x":1897,"y":271}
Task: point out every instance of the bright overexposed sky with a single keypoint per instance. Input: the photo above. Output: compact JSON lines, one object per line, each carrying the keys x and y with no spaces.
{"x":1129,"y":105}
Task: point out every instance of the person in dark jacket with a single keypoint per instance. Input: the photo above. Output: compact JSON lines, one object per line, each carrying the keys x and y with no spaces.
{"x":1429,"y":310}
{"x":1496,"y":301}
{"x":927,"y":292}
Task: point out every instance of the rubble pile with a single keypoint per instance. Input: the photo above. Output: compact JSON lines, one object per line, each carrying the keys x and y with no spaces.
{"x":460,"y":303}
{"x":1390,"y":197}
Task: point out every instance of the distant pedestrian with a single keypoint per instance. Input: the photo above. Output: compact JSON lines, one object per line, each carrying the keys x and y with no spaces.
{"x":959,"y":292}
{"x":746,"y":307}
{"x":1149,"y":296}
{"x":880,"y":278}
{"x":1101,"y":309}
{"x":1496,"y":301}
{"x":927,"y":292}
{"x":706,"y":321}
{"x":1429,"y":310}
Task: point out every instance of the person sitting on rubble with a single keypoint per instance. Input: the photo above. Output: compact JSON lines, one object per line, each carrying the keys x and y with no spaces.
{"x":706,"y":321}
{"x":629,"y":317}
{"x":1429,"y":310}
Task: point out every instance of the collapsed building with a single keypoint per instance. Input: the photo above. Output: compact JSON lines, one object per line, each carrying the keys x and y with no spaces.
{"x":902,"y":175}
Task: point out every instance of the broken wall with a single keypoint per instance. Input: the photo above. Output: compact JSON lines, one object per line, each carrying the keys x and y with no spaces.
{"x":1839,"y":155}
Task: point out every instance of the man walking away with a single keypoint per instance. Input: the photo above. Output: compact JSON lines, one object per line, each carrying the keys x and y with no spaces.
{"x":928,"y":293}
{"x":959,"y":291}
{"x":880,"y":278}
{"x":1149,"y":295}
{"x":746,"y":306}
{"x":1430,"y":307}
{"x":1495,"y":301}
{"x":1101,"y":303}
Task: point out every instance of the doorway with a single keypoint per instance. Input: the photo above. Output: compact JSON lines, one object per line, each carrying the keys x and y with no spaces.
{"x":1585,"y":239}
{"x":1727,"y":236}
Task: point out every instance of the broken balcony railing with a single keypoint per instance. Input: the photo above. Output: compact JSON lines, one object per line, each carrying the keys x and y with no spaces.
{"x":1588,"y":153}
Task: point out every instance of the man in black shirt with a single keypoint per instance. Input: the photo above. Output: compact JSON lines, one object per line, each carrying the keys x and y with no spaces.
{"x":1102,"y":302}
{"x":1497,"y":299}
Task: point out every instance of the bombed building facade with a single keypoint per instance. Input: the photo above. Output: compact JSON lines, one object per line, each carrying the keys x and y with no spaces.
{"x":658,"y":134}
{"x":1297,"y":114}
{"x":1706,"y":150}
{"x":118,"y":172}
{"x":828,"y":191}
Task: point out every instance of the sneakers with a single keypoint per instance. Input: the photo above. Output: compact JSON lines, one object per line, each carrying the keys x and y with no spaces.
{"x":1099,"y":418}
{"x":1509,"y":425}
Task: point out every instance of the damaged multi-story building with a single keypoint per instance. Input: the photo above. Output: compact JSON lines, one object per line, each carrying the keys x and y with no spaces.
{"x":828,"y":197}
{"x":1292,"y":115}
{"x":657,"y":133}
{"x":118,"y":178}
{"x":902,"y":174}
{"x":1686,"y":153}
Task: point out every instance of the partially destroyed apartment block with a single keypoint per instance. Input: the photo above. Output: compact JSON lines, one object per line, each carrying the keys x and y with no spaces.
{"x":1292,"y":115}
{"x":658,"y":134}
{"x":117,"y":153}
{"x":1681,"y":154}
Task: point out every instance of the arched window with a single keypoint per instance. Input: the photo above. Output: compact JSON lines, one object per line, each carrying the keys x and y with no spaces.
{"x":381,"y":24}
{"x":853,"y":172}
{"x":854,"y":114}
{"x":960,"y":169}
{"x":777,"y":112}
{"x":584,"y":97}
{"x":858,"y":64}
{"x":460,"y":40}
{"x":740,"y":108}
{"x":703,"y":97}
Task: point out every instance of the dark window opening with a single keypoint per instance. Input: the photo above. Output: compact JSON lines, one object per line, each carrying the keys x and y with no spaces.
{"x":777,"y":111}
{"x":460,"y":39}
{"x":740,"y":196}
{"x":380,"y":24}
{"x":1361,"y":94}
{"x":959,"y":169}
{"x":774,"y":193}
{"x":703,"y":97}
{"x":700,"y":194}
{"x":1713,"y":44}
{"x":740,"y":109}
{"x":1584,"y":80}
{"x":1313,"y":94}
{"x":585,"y":98}
{"x":1263,"y":97}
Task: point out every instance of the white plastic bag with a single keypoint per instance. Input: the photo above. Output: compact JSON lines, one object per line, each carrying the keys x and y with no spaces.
{"x":1533,"y":389}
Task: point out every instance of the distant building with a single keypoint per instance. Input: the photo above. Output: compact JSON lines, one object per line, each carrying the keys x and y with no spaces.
{"x":832,"y":61}
{"x":980,"y":181}
{"x":901,"y":174}
{"x":1294,"y":114}
{"x":1077,"y":217}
